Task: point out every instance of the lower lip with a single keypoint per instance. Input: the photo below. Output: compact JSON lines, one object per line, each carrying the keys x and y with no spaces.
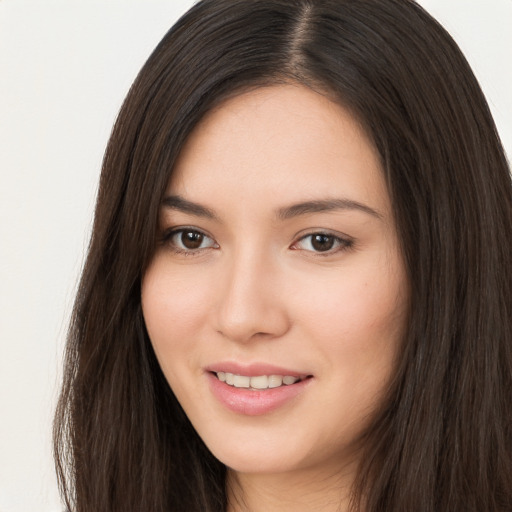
{"x":254,"y":402}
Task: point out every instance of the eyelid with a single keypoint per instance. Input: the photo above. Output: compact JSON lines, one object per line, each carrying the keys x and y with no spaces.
{"x":169,"y":233}
{"x":344,"y":242}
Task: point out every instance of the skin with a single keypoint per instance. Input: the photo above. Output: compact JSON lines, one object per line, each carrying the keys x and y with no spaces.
{"x":258,"y":290}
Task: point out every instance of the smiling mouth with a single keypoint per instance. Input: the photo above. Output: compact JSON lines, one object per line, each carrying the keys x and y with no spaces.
{"x":259,"y":382}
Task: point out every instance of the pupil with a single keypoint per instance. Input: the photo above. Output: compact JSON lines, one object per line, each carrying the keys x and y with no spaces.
{"x":322,"y":242}
{"x":191,"y":240}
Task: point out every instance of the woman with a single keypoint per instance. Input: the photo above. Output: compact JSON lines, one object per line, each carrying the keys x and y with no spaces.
{"x":298,"y":289}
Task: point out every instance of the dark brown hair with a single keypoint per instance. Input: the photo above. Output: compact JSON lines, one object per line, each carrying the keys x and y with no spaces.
{"x":442,"y":442}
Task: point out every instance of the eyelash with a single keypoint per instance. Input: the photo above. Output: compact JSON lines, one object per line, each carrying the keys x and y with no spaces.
{"x":340,"y":243}
{"x":168,"y":235}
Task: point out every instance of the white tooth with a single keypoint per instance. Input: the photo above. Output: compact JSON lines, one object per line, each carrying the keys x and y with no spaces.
{"x":289,"y":380}
{"x":221,"y":376}
{"x":260,"y":382}
{"x":229,"y":378}
{"x":274,"y":381}
{"x":241,"y":381}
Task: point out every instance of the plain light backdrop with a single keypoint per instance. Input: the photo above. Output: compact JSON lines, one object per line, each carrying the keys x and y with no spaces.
{"x":65,"y":67}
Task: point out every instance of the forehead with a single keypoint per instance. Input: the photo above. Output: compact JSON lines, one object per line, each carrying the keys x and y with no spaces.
{"x":283,"y":141}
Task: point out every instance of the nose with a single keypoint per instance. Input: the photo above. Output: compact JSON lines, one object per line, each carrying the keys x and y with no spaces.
{"x":252,"y":303}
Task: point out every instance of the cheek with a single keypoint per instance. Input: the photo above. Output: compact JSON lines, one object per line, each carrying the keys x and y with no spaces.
{"x":358,"y":321}
{"x":174,"y":305}
{"x":355,"y":301}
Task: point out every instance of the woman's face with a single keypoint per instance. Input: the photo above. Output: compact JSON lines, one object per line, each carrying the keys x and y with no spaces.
{"x":277,"y":296}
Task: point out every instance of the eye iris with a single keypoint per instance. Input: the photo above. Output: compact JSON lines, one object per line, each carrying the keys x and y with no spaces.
{"x":192,"y":239}
{"x":322,"y":242}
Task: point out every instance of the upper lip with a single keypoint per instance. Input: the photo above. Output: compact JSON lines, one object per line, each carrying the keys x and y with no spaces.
{"x":253,"y":369}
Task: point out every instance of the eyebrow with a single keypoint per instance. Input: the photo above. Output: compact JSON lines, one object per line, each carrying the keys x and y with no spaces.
{"x":176,"y":202}
{"x":185,"y":206}
{"x":325,"y":206}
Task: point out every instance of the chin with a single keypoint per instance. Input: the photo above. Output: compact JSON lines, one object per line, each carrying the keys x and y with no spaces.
{"x":267,"y":451}
{"x":258,"y":463}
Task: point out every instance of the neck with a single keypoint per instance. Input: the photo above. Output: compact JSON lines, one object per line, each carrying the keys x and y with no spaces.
{"x":300,"y":491}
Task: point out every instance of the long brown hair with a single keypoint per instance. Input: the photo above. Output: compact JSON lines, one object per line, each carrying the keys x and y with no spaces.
{"x":442,"y":442}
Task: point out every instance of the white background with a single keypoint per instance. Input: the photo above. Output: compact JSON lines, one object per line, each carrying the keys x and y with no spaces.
{"x":65,"y":67}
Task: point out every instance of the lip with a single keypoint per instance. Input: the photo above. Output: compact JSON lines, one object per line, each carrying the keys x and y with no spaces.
{"x":250,"y":402}
{"x":253,"y":369}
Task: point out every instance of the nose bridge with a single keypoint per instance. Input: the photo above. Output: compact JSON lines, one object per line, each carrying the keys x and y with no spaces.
{"x":250,"y":303}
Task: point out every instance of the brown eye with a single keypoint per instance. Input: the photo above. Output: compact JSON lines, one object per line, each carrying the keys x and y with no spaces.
{"x":322,"y":242}
{"x":189,"y":240}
